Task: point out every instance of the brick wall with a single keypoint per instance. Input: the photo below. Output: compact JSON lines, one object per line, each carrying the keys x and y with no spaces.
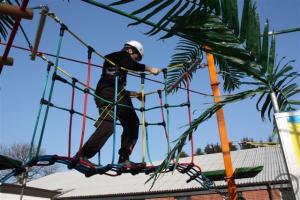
{"x":248,"y":195}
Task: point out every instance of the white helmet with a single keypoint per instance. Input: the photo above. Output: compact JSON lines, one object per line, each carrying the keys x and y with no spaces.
{"x":139,"y":47}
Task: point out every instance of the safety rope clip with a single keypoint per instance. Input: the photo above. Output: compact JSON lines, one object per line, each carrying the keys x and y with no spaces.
{"x":72,"y":111}
{"x":63,"y":28}
{"x":74,"y":81}
{"x":59,"y":78}
{"x":86,"y":90}
{"x":159,"y":93}
{"x":90,"y":51}
{"x":45,"y":102}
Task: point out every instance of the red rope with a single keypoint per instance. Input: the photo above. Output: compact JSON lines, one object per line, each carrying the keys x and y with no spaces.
{"x":163,"y":117}
{"x":189,"y":112}
{"x":85,"y":106}
{"x":71,"y":120}
{"x":13,"y":33}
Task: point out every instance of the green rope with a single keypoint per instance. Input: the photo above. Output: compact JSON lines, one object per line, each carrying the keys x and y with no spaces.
{"x":147,"y":146}
{"x":50,"y":93}
{"x":167,"y":109}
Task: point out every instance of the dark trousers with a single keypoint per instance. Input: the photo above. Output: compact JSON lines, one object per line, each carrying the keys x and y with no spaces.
{"x":127,"y":117}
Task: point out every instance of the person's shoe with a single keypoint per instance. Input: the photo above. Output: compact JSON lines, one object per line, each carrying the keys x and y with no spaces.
{"x":84,"y":160}
{"x":132,"y":165}
{"x":123,"y":159}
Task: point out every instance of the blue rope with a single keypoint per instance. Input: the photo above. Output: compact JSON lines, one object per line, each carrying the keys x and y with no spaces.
{"x":115,"y":116}
{"x":50,"y":94}
{"x":38,"y":116}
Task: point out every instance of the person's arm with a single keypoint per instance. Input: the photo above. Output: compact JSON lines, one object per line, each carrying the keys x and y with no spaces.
{"x":152,"y":70}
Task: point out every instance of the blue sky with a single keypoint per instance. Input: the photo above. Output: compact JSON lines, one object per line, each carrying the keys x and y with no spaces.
{"x":22,"y":84}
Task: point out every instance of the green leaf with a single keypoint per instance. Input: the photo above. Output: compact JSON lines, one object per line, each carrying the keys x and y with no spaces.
{"x":257,"y":38}
{"x":180,"y":142}
{"x":167,"y":16}
{"x":265,"y":48}
{"x":272,"y":55}
{"x":245,"y":21}
{"x":216,"y":6}
{"x":265,"y":106}
{"x":120,"y":2}
{"x":155,"y":11}
{"x":235,"y":17}
{"x":147,"y":7}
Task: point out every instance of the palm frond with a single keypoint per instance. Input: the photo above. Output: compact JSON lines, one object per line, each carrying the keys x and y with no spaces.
{"x":180,"y":142}
{"x":190,"y":57}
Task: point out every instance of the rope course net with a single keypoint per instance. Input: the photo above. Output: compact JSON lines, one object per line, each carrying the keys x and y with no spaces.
{"x":59,"y":74}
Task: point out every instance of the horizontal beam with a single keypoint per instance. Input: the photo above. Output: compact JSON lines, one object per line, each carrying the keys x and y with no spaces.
{"x":15,"y":11}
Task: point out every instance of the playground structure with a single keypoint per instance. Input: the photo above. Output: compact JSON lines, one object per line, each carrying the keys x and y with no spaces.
{"x":193,"y":171}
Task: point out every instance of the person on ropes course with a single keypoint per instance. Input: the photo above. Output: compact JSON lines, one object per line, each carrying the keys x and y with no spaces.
{"x":128,"y":58}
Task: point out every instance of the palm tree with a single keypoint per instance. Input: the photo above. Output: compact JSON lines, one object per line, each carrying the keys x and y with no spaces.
{"x":244,"y":56}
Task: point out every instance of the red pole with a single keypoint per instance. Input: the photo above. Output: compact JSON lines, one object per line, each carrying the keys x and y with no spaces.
{"x":13,"y":33}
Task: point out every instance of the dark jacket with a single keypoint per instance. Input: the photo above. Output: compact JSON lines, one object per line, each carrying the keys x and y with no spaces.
{"x":122,"y":59}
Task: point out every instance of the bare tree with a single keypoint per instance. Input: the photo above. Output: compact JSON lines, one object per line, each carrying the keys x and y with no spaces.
{"x":20,"y":151}
{"x":199,"y":151}
{"x":212,"y":148}
{"x":183,"y":154}
{"x":246,"y":143}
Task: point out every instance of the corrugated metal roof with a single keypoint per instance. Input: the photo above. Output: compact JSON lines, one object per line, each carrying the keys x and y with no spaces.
{"x":76,"y":184}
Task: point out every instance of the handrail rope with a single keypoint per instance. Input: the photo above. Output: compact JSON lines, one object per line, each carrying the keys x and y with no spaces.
{"x":71,"y":117}
{"x":39,"y":112}
{"x":61,"y":34}
{"x":189,"y":112}
{"x":98,"y":97}
{"x":54,"y":16}
{"x":90,"y":51}
{"x":95,"y":65}
{"x":143,"y":116}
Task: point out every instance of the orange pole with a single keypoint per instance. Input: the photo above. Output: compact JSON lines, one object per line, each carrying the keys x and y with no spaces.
{"x":232,"y":190}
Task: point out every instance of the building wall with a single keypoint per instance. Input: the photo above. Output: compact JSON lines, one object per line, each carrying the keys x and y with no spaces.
{"x":273,"y":194}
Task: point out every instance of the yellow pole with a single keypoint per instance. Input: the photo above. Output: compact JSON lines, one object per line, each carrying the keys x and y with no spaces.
{"x":232,"y":190}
